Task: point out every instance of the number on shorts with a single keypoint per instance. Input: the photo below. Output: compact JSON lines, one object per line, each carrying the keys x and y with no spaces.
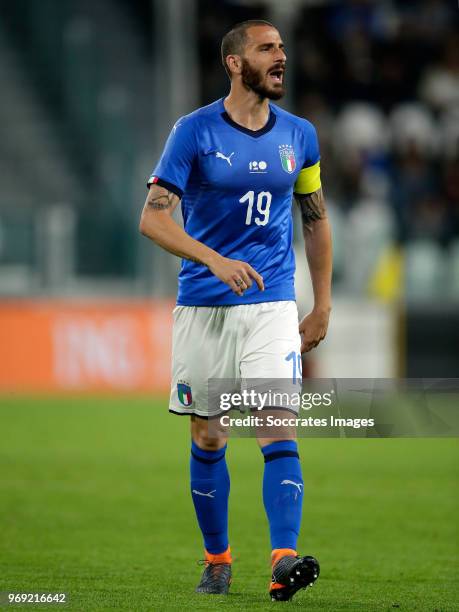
{"x":295,"y":358}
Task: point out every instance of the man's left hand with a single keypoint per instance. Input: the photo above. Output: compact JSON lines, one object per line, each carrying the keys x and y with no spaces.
{"x":313,"y":329}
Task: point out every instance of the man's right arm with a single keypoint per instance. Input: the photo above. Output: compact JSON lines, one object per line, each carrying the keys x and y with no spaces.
{"x":157,"y":224}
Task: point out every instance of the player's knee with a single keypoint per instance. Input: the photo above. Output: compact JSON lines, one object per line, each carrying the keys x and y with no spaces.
{"x":208,"y":444}
{"x":205,"y":439}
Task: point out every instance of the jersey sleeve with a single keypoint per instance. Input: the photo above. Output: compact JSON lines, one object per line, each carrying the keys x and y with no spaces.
{"x":173,"y":169}
{"x":308,"y":179}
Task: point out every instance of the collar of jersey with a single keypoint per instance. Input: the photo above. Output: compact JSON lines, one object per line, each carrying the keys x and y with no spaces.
{"x":254,"y":133}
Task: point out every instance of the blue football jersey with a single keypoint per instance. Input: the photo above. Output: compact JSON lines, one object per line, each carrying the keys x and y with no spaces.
{"x":236,"y":188}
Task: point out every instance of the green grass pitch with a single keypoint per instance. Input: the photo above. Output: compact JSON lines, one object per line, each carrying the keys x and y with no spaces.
{"x":95,"y":502}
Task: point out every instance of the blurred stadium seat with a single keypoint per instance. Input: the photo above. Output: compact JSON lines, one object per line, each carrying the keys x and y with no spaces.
{"x":425,"y":269}
{"x":454,"y":279}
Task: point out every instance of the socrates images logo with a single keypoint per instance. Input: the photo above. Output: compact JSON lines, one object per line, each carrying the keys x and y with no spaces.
{"x":184,"y":394}
{"x":287,"y":155}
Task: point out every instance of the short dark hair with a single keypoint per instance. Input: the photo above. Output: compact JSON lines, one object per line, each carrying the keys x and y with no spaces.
{"x":234,"y":41}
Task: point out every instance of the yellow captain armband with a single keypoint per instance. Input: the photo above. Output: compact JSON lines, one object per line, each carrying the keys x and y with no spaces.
{"x":308,"y":180}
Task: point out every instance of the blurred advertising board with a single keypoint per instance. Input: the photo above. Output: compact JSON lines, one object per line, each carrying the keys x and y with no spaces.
{"x":87,"y":346}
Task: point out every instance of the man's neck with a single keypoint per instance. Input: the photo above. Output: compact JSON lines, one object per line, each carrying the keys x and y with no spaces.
{"x":247,"y":109}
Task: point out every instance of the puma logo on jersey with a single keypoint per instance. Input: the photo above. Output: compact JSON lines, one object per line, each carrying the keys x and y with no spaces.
{"x":295,"y":484}
{"x":221,"y":156}
{"x":209,"y":494}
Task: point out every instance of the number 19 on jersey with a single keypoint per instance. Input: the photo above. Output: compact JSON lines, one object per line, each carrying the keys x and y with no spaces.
{"x":263,"y":203}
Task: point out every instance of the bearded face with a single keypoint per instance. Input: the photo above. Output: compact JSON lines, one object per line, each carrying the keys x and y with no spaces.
{"x":265,"y":83}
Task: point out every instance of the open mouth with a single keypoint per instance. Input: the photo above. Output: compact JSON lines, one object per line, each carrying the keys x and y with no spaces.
{"x":276,"y":75}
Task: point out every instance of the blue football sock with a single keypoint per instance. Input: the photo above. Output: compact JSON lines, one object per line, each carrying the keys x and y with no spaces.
{"x":210,"y":486}
{"x":283,"y":492}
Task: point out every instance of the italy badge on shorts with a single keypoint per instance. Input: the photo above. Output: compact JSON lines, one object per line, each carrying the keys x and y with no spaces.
{"x":287,"y":155}
{"x":184,"y":394}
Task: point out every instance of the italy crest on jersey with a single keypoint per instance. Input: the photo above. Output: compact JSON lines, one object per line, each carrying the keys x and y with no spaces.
{"x":184,"y":394}
{"x":287,"y":155}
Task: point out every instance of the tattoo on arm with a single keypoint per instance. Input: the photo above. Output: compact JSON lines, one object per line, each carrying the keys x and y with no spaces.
{"x":312,"y":207}
{"x":161,"y":201}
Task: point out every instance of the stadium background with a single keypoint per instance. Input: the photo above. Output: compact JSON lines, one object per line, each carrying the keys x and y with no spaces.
{"x":89,"y":92}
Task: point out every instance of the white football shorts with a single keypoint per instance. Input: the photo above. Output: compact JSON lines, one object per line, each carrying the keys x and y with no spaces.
{"x":251,"y":341}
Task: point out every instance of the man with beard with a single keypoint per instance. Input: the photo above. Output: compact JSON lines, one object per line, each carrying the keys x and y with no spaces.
{"x":234,"y":166}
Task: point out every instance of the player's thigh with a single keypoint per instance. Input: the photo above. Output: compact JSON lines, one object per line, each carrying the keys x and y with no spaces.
{"x":271,"y":366}
{"x":203,"y":348}
{"x":272,"y":346}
